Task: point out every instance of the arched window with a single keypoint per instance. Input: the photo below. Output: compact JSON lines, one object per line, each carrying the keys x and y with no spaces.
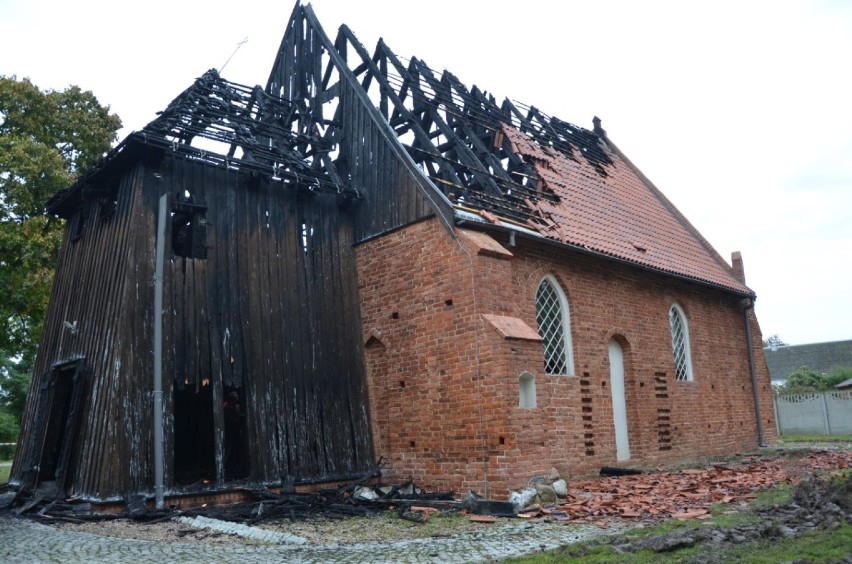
{"x":554,"y":327}
{"x":526,"y":385}
{"x":680,"y":343}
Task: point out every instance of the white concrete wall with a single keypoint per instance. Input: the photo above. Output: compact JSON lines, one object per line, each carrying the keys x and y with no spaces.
{"x":821,"y":413}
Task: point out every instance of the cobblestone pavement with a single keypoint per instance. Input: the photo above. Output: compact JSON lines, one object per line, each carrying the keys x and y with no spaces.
{"x":23,"y":540}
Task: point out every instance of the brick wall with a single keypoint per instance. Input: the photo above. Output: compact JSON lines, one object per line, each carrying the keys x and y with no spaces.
{"x":444,"y":382}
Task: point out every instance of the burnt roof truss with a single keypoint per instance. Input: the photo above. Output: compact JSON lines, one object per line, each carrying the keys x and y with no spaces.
{"x":245,"y":128}
{"x":452,"y":133}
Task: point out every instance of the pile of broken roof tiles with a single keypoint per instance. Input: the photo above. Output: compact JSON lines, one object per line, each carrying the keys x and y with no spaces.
{"x":686,"y":494}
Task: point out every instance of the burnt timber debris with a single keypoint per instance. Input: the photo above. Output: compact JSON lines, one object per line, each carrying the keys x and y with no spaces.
{"x":652,"y":496}
{"x":361,"y":497}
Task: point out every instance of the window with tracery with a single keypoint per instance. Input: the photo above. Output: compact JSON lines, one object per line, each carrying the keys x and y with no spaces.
{"x":554,"y":327}
{"x":680,"y":343}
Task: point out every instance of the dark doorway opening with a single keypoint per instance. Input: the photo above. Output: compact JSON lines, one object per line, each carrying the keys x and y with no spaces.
{"x":62,"y":396}
{"x":236,"y":447}
{"x":195,"y":449}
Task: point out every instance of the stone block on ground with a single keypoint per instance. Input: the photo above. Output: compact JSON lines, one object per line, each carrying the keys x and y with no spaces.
{"x":546,"y":493}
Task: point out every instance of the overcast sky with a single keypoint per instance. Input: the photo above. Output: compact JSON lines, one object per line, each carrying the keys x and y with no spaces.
{"x":739,"y":111}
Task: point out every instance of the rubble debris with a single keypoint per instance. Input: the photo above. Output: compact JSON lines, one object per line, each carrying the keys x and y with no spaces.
{"x":545,"y":493}
{"x":471,"y":498}
{"x":816,"y":503}
{"x":410,"y":514}
{"x":690,"y":493}
{"x":241,"y":530}
{"x":553,"y":476}
{"x":523,"y":499}
{"x":7,"y":498}
{"x":363,"y":493}
{"x":545,"y":489}
{"x":560,"y":487}
{"x":364,"y":496}
{"x":493,"y":507}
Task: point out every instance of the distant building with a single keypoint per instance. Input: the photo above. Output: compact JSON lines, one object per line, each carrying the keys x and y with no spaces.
{"x":821,"y":357}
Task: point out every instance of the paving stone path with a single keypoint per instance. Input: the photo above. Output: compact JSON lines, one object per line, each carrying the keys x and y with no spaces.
{"x":23,"y":540}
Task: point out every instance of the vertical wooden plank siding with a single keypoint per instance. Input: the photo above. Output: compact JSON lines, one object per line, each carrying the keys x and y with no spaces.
{"x":272,"y":310}
{"x":292,"y":296}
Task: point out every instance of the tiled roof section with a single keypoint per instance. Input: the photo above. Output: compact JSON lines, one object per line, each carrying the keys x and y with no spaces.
{"x":484,"y":244}
{"x":617,"y":214}
{"x":821,"y":357}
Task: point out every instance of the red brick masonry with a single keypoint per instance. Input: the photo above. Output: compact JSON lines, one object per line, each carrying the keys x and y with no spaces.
{"x":444,"y":380}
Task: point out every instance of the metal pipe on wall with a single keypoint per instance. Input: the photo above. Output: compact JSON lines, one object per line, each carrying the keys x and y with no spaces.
{"x":158,"y":351}
{"x":761,"y":442}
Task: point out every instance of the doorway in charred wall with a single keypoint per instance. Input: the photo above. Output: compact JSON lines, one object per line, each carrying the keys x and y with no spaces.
{"x":194,"y":446}
{"x":59,"y":413}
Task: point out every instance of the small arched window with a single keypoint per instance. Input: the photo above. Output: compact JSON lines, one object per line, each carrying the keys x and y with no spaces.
{"x":526,"y":385}
{"x":680,"y":343}
{"x":554,"y":327}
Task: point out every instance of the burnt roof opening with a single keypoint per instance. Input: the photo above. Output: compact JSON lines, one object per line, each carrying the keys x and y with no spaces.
{"x":243,"y":128}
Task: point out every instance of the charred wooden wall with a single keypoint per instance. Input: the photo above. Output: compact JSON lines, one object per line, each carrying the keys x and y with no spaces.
{"x":271,"y":310}
{"x":391,"y":195}
{"x":104,"y":274}
{"x":312,"y":72}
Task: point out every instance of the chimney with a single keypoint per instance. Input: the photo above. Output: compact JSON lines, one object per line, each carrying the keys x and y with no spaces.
{"x":737,"y":266}
{"x":596,"y":123}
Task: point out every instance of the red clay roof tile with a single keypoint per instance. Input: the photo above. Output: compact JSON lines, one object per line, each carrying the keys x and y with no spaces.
{"x":620,"y":214}
{"x":512,"y":327}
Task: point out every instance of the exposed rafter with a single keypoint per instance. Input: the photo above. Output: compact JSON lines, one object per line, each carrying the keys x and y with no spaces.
{"x":451,"y":132}
{"x":223,"y":122}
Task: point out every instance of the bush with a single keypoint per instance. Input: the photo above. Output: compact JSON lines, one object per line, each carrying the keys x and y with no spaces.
{"x":839,"y":374}
{"x":806,"y":380}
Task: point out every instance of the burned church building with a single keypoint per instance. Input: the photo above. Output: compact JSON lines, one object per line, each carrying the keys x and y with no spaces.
{"x":366,"y":258}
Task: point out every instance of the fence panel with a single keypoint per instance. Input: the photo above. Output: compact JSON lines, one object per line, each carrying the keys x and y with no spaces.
{"x":839,"y":408}
{"x":819,"y":413}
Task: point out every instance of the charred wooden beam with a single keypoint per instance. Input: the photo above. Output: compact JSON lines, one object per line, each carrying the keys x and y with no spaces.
{"x":421,"y":135}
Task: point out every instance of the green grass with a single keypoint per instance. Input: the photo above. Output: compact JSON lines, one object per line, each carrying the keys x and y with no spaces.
{"x":818,"y":547}
{"x":5,"y":468}
{"x":815,"y":438}
{"x":821,"y":546}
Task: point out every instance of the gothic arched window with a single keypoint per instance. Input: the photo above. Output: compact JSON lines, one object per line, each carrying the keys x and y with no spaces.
{"x":554,"y":327}
{"x":680,"y":343}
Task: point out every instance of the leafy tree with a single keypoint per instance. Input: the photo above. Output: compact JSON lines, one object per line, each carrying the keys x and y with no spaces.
{"x":805,"y":380}
{"x":14,"y":384}
{"x":47,"y":139}
{"x":773,"y":341}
